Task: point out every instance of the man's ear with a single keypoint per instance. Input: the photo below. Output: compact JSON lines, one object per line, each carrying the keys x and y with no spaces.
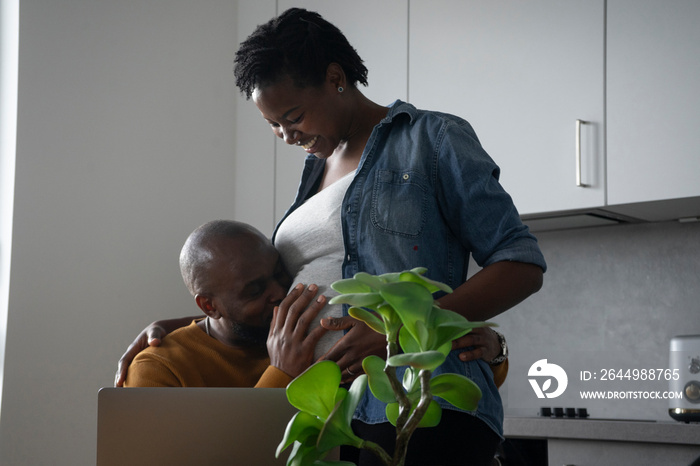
{"x":206,"y":304}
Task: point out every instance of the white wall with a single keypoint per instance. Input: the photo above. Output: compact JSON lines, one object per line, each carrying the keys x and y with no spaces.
{"x":125,"y":144}
{"x":9,"y":43}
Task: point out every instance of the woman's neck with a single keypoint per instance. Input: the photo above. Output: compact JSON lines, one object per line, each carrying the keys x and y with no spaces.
{"x":364,"y":116}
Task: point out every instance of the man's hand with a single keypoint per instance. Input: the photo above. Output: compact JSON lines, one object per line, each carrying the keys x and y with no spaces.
{"x":484,"y":342}
{"x":359,"y":342}
{"x":150,"y":336}
{"x":290,"y":345}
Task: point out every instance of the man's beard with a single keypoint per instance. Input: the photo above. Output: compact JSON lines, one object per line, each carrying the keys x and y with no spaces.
{"x":250,"y":335}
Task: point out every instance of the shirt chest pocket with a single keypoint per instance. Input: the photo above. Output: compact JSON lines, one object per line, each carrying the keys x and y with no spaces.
{"x":399,"y":202}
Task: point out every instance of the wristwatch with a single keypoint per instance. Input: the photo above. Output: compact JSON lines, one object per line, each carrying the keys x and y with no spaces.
{"x":503,"y":355}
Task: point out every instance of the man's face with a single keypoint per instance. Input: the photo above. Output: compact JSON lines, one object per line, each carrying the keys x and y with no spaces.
{"x":248,"y":280}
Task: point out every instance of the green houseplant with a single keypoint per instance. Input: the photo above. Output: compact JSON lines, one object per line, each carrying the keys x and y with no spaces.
{"x":419,"y":335}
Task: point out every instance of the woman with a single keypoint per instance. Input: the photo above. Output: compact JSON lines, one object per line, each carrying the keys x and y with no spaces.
{"x":416,"y":189}
{"x":393,"y":188}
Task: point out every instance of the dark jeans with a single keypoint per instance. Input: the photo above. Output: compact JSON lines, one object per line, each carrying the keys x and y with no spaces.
{"x":460,"y":439}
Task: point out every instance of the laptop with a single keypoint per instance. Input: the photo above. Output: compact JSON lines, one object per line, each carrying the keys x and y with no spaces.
{"x":192,"y":426}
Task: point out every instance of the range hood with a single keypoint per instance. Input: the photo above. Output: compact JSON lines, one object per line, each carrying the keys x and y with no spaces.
{"x":565,"y":221}
{"x":682,"y":210}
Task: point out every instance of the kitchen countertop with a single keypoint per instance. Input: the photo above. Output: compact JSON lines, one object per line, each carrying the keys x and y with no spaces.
{"x":670,"y":432}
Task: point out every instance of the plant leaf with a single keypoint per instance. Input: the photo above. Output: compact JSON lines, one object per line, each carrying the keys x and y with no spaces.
{"x":350,"y":285}
{"x":300,"y":427}
{"x":407,"y":342}
{"x":304,"y":454}
{"x":332,"y":463}
{"x":337,"y":431}
{"x":431,"y":418}
{"x":411,"y":382}
{"x":358,"y":299}
{"x":430,"y":285}
{"x":357,"y":390}
{"x":424,"y":360}
{"x":372,"y":281}
{"x":379,"y":383}
{"x":457,"y":390}
{"x":392,"y":412}
{"x":391,"y":277}
{"x":411,"y":302}
{"x":424,"y":335}
{"x":371,"y":319}
{"x":392,"y":323}
{"x":315,"y":389}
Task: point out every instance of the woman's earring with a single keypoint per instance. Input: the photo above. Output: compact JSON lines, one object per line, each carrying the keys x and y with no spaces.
{"x":340,"y":89}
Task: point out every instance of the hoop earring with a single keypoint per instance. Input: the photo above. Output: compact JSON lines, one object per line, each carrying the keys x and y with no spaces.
{"x":340,"y":89}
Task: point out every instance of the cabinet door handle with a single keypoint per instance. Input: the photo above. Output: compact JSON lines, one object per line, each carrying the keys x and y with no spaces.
{"x":579,"y":183}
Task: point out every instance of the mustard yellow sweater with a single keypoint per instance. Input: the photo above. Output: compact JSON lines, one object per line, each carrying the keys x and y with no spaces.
{"x":188,"y":357}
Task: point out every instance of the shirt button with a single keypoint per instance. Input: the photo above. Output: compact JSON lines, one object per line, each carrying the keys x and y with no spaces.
{"x":405,"y":176}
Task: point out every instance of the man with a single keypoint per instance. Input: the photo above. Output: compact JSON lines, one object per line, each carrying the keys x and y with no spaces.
{"x":252,"y":335}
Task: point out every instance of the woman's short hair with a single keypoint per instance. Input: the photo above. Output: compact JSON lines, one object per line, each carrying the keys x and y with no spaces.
{"x":299,"y":44}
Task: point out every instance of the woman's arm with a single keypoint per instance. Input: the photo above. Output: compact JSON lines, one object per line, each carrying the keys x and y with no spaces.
{"x":493,"y":290}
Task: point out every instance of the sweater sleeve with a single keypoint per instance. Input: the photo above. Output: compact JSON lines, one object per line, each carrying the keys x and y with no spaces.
{"x":273,"y":378}
{"x":500,"y":372}
{"x":147,"y":371}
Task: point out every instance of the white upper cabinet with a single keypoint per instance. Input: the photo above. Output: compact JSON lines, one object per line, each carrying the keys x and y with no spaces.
{"x":522,"y":73}
{"x":653,"y":101}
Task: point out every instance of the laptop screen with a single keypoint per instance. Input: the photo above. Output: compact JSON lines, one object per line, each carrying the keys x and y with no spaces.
{"x":191,"y":426}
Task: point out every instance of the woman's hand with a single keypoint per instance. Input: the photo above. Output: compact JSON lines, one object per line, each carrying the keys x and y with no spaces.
{"x":290,"y":345}
{"x":484,"y":343}
{"x":150,"y":336}
{"x":359,"y":342}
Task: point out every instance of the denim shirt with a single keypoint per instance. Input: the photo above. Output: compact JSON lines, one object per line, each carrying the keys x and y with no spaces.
{"x":426,"y":194}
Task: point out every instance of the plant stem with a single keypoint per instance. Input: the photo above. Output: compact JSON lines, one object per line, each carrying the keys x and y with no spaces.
{"x":404,"y":434}
{"x":425,"y":398}
{"x":379,"y":452}
{"x":397,"y":387}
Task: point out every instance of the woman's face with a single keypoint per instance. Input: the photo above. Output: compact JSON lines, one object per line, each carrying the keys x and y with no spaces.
{"x":310,"y":117}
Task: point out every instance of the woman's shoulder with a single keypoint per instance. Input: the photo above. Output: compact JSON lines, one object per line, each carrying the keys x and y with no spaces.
{"x":427,"y":117}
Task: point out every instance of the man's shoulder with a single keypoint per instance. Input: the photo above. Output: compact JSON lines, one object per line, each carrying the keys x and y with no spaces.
{"x":181,"y":340}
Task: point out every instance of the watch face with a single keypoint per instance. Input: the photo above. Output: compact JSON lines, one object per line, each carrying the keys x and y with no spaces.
{"x":504,"y":350}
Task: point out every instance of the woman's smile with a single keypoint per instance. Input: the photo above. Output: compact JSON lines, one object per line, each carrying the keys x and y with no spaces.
{"x":307,"y":146}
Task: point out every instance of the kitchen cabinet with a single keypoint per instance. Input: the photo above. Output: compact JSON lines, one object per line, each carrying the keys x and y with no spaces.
{"x":522,"y":73}
{"x":587,"y":107}
{"x":598,"y":442}
{"x":653,"y":99}
{"x":604,"y":453}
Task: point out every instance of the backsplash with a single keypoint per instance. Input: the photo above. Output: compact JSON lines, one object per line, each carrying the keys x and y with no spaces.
{"x":612,"y":299}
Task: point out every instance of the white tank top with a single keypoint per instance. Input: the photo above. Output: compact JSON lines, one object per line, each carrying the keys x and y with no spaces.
{"x":310,"y":241}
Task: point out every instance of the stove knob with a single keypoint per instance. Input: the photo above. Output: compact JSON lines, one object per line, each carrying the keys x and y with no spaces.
{"x":694,"y":366}
{"x":692,"y":392}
